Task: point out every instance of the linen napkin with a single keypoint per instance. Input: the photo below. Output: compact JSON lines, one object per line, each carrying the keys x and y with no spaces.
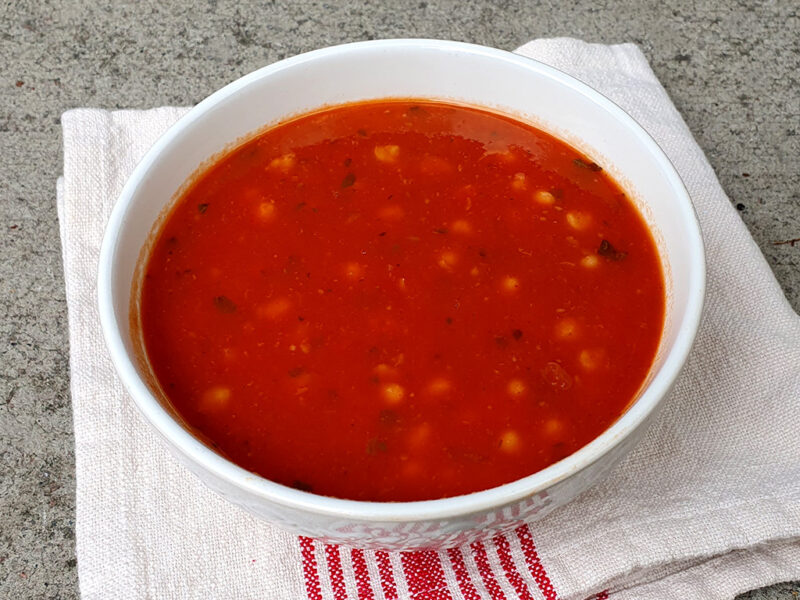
{"x":707,"y":506}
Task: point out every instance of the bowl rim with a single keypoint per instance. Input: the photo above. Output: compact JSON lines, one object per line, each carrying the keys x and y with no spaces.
{"x":444,"y":508}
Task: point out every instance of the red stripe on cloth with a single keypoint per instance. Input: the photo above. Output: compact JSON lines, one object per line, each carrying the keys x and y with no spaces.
{"x":335,"y":572}
{"x":425,"y":575}
{"x":362,"y":575}
{"x":462,"y":575}
{"x":601,"y":596}
{"x":485,"y":570}
{"x":387,"y":576}
{"x":510,"y":569}
{"x":310,"y":568}
{"x":534,"y":564}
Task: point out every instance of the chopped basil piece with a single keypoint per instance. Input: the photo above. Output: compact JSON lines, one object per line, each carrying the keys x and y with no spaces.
{"x":606,"y":250}
{"x":224,"y":304}
{"x":591,"y":166}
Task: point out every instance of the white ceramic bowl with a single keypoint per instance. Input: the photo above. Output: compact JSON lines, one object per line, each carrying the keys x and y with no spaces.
{"x":465,"y":73}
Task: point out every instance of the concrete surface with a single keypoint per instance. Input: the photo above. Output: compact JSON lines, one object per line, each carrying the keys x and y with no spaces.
{"x":731,"y":68}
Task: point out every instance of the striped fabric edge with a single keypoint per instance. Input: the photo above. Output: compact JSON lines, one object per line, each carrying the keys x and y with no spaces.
{"x":507,"y":567}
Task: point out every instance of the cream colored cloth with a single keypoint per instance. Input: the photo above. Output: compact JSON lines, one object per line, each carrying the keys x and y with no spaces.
{"x":706,"y":507}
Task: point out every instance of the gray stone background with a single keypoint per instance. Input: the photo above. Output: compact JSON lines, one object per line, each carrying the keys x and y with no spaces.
{"x":731,"y":68}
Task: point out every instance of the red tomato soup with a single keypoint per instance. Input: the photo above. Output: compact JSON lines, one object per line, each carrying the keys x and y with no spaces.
{"x":397,"y":300}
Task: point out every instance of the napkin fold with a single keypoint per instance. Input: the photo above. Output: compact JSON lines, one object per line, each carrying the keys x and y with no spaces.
{"x":707,"y":506}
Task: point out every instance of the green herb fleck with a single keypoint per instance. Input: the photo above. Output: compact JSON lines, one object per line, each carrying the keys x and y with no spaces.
{"x":591,"y":166}
{"x":606,"y":250}
{"x":348,"y":180}
{"x":224,"y":304}
{"x":302,"y":486}
{"x":375,"y":446}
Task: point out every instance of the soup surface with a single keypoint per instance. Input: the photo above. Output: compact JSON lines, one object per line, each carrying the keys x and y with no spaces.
{"x":397,"y":300}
